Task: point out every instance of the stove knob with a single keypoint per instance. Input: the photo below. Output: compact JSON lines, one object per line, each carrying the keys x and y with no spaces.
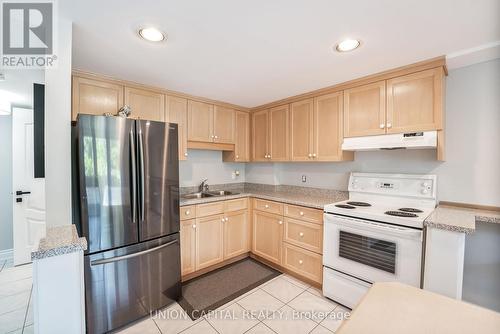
{"x":425,"y":184}
{"x":424,"y":191}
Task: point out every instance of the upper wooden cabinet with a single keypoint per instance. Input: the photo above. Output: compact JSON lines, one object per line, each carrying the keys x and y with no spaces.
{"x":241,"y":151}
{"x":200,"y":121}
{"x":301,"y":130}
{"x":278,"y":134}
{"x":414,"y":102}
{"x":95,"y":97}
{"x":145,"y":104}
{"x":316,"y":129}
{"x":176,"y":112}
{"x":328,"y":126}
{"x":260,"y":135}
{"x":364,"y":110}
{"x":224,"y":124}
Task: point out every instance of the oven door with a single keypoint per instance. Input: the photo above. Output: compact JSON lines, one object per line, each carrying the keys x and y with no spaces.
{"x":374,"y":252}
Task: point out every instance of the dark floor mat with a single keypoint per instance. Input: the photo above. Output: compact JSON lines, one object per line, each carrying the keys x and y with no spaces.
{"x":216,"y":288}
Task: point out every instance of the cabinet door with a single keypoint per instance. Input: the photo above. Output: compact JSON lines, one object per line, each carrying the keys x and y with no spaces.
{"x":328,"y":127}
{"x":177,"y":113}
{"x":267,"y":236}
{"x":145,"y":104}
{"x":235,"y":234}
{"x":260,"y":128}
{"x":200,"y":121}
{"x":95,"y":97}
{"x":224,"y":123}
{"x":208,"y":241}
{"x":278,"y":134}
{"x":415,"y":102}
{"x":242,"y":144}
{"x":188,"y":246}
{"x":364,"y":110}
{"x":301,"y":130}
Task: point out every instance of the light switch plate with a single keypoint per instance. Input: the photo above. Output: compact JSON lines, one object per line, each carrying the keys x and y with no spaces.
{"x":304,"y":178}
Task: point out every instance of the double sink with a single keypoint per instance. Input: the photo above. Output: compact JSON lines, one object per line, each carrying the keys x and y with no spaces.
{"x":203,"y":194}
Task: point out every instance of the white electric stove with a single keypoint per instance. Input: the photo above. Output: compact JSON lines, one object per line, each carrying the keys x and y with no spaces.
{"x":376,"y":235}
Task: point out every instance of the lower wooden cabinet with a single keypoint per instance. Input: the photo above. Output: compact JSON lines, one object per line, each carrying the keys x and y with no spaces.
{"x":267,"y":236}
{"x":188,"y":246}
{"x":208,"y":241}
{"x":303,"y":262}
{"x":235,"y":234}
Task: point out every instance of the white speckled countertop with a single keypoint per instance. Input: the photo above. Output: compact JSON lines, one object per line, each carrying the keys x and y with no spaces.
{"x":460,"y":219}
{"x":59,"y":240}
{"x":392,"y":307}
{"x":303,"y":196}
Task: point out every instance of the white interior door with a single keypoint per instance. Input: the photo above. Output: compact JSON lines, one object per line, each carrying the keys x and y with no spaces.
{"x":29,"y":208}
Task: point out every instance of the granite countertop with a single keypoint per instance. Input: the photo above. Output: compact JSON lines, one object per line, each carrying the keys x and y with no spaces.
{"x":391,"y":307}
{"x":59,"y":240}
{"x":303,"y":196}
{"x":460,"y":219}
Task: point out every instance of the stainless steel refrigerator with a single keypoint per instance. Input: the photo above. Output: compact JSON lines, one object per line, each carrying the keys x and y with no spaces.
{"x":128,"y":172}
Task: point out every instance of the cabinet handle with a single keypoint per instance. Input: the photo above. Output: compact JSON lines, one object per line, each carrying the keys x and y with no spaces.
{"x":389,"y":125}
{"x":186,"y":154}
{"x":187,"y":212}
{"x":194,"y":226}
{"x":314,"y":155}
{"x":227,"y":219}
{"x":382,"y":126}
{"x":216,"y":137}
{"x":280,"y":222}
{"x":269,"y":156}
{"x":301,"y":213}
{"x":266,"y":206}
{"x":237,"y":156}
{"x":222,"y":219}
{"x":212,"y":136}
{"x":301,"y":234}
{"x":310,"y":155}
{"x":300,"y":261}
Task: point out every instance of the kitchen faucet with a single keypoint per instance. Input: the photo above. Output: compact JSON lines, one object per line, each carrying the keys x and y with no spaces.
{"x":203,"y":186}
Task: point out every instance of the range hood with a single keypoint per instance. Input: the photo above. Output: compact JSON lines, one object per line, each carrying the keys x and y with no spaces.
{"x":410,"y":140}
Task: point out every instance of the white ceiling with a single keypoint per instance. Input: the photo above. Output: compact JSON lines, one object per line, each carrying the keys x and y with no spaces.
{"x":253,"y":52}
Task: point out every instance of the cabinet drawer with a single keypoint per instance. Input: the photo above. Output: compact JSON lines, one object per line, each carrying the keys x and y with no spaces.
{"x":203,"y":210}
{"x":187,"y":212}
{"x":302,"y":213}
{"x":236,"y":204}
{"x":303,"y":262}
{"x":268,"y":206}
{"x":304,"y":234}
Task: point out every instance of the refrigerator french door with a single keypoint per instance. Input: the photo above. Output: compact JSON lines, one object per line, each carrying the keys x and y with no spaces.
{"x":129,"y":204}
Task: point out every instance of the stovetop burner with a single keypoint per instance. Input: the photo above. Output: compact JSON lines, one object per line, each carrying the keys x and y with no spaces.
{"x":345,"y":206}
{"x":410,"y":210}
{"x":401,"y":214}
{"x":358,"y":203}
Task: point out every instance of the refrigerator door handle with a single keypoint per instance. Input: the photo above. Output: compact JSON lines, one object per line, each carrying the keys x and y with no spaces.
{"x":128,"y":256}
{"x":141,"y":166}
{"x":133,"y":167}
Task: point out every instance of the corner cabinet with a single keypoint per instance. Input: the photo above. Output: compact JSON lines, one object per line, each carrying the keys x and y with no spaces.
{"x":241,"y":151}
{"x":260,"y":135}
{"x":270,"y":134}
{"x":407,"y":103}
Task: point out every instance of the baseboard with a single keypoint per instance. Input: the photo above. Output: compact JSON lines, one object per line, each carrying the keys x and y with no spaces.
{"x":7,"y":254}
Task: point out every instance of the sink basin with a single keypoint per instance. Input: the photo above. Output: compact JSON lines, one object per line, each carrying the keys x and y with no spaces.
{"x":222,"y":193}
{"x":197,"y":195}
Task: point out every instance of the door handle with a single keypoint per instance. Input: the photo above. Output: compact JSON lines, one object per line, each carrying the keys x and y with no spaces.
{"x":20,"y":192}
{"x":133,"y":166}
{"x":142,"y":177}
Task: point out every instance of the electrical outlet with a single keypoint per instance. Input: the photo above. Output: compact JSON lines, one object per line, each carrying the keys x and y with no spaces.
{"x":304,"y":178}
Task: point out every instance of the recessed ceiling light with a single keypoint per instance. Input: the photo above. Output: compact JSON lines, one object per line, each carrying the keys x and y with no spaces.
{"x":347,"y":45}
{"x":152,"y":34}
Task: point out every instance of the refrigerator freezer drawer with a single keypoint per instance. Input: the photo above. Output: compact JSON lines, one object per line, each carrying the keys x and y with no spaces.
{"x":125,"y":284}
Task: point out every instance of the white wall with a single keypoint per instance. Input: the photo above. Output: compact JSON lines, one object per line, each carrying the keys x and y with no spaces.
{"x":58,"y":131}
{"x":470,"y":173}
{"x":6,"y":182}
{"x":203,"y":164}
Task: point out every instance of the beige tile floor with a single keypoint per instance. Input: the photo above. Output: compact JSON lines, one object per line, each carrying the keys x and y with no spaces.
{"x":283,"y":305}
{"x":16,"y":313}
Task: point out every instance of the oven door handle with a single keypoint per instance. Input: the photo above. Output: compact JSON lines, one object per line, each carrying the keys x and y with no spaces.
{"x":377,"y":227}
